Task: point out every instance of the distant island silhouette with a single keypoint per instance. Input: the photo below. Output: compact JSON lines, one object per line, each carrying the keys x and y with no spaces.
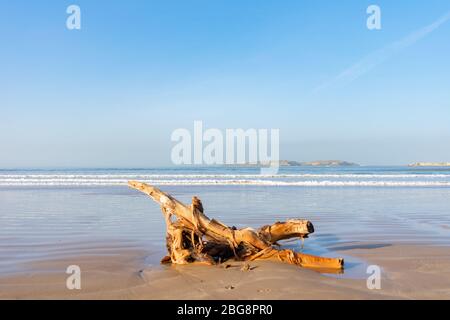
{"x":430,"y":164}
{"x":291,"y":163}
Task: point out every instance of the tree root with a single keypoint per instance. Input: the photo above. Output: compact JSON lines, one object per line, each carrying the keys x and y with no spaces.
{"x":194,"y":238}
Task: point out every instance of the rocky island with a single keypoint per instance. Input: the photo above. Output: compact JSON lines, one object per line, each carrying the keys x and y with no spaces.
{"x":318,"y":163}
{"x":430,"y":164}
{"x":329,"y":163}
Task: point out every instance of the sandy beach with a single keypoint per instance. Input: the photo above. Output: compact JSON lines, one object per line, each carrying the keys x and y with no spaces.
{"x":408,"y":272}
{"x":117,"y":238}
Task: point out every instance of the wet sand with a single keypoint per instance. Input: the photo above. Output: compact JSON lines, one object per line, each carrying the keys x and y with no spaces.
{"x":408,"y":272}
{"x":116,"y":236}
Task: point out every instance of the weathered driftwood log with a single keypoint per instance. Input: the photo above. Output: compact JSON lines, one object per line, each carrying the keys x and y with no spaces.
{"x":193,"y":237}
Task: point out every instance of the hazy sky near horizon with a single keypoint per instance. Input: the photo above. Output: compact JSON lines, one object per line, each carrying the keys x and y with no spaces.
{"x":111,"y":94}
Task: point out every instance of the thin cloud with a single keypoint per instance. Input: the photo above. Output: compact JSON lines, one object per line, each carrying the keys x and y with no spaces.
{"x":375,"y":58}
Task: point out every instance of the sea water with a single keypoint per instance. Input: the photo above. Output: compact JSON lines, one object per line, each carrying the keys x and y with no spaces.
{"x":48,"y":214}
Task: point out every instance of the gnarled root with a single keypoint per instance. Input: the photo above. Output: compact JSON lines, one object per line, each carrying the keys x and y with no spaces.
{"x":193,"y":237}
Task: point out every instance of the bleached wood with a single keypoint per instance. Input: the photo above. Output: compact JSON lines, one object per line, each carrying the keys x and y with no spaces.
{"x":193,"y":237}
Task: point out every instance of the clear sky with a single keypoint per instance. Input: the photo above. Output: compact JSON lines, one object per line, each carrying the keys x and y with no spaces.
{"x":111,"y":94}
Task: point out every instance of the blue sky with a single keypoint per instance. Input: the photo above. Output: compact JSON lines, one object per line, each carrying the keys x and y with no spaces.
{"x":110,"y":94}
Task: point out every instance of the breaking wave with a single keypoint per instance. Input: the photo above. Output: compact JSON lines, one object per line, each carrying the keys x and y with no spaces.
{"x":211,"y":176}
{"x":307,"y":180}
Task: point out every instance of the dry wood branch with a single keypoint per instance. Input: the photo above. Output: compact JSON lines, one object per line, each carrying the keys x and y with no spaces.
{"x":193,"y":237}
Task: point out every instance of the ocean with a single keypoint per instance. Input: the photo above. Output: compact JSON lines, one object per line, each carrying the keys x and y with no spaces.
{"x":48,"y":214}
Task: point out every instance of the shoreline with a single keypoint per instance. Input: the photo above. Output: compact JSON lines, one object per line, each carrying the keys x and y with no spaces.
{"x":112,"y":233}
{"x":408,"y":272}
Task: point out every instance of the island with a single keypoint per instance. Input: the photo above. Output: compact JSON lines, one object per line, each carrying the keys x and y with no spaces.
{"x":329,"y":163}
{"x":430,"y":164}
{"x":317,"y":163}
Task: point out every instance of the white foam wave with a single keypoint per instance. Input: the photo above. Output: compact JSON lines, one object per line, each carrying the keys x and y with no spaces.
{"x":210,"y":182}
{"x":217,"y":176}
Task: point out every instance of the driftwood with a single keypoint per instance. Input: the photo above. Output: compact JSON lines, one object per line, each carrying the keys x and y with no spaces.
{"x":193,"y":237}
